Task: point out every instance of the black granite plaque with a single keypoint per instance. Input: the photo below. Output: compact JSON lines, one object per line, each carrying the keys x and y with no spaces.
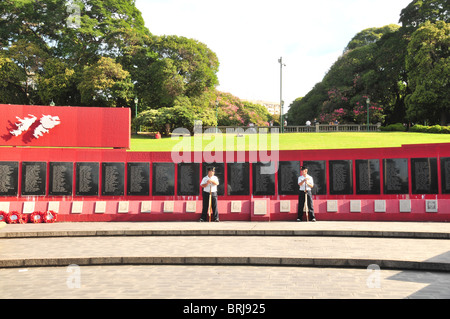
{"x":396,"y":177}
{"x":34,"y":178}
{"x":9,"y":178}
{"x":138,"y":179}
{"x":238,"y":179}
{"x":60,"y":181}
{"x":263,"y":182}
{"x":367,"y":177}
{"x":113,"y":179}
{"x":288,"y":173}
{"x":87,"y":179}
{"x":219,"y":172}
{"x":341,"y":178}
{"x":318,"y":171}
{"x":163,"y":183}
{"x":445,"y":175}
{"x":188,"y":180}
{"x":424,"y":176}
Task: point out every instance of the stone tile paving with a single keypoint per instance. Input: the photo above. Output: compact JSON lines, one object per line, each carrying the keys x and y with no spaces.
{"x":219,"y":282}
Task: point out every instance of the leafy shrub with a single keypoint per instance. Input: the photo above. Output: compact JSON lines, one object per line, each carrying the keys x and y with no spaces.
{"x":393,"y":127}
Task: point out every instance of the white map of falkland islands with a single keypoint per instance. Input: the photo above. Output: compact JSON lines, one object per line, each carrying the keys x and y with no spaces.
{"x":47,"y":122}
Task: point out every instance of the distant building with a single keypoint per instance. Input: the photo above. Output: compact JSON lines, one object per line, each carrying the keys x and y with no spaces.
{"x":272,"y":107}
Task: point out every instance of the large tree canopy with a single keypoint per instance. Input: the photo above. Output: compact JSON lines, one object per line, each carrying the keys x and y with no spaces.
{"x":403,"y":70}
{"x":96,"y":52}
{"x":428,"y":66}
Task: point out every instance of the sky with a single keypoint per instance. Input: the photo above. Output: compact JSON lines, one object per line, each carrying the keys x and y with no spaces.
{"x":250,"y":36}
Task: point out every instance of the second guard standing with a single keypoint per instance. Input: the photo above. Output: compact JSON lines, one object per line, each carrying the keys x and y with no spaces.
{"x":306,"y":184}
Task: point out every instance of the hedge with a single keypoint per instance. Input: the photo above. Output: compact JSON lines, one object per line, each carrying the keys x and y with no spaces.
{"x":436,"y":129}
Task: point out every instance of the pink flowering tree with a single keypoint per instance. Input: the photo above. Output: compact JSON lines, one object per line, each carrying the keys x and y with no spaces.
{"x":232,"y":111}
{"x":336,"y":108}
{"x":376,"y":113}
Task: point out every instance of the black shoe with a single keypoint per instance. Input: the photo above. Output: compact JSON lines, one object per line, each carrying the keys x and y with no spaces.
{"x":299,"y":220}
{"x":314,"y":220}
{"x":201,"y":220}
{"x":217,"y":220}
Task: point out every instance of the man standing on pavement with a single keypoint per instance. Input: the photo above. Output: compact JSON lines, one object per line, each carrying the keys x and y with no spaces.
{"x":306,"y":183}
{"x":209,"y":184}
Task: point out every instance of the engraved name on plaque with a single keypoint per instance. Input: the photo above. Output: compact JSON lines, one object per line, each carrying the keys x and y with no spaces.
{"x":445,"y":175}
{"x":288,"y":173}
{"x":9,"y":178}
{"x":238,"y":179}
{"x":163,"y":183}
{"x":138,"y":179}
{"x":113,"y":175}
{"x":341,"y":180}
{"x":87,"y":179}
{"x":188,"y":179}
{"x":60,"y":179}
{"x":367,"y":177}
{"x":263,"y":184}
{"x":34,"y":178}
{"x":395,"y":172}
{"x":424,"y":176}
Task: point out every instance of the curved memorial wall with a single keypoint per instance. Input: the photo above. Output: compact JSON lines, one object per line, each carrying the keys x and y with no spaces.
{"x":50,"y":167}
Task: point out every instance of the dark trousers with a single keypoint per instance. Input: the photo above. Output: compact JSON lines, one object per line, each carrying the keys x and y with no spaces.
{"x":213,"y":206}
{"x":301,"y":204}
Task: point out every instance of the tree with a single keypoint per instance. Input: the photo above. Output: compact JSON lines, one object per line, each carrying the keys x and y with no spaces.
{"x":40,"y":38}
{"x":421,"y":11}
{"x":182,"y":115}
{"x":306,"y":108}
{"x":428,"y":66}
{"x":11,"y":77}
{"x":370,"y":35}
{"x":105,"y":83}
{"x":183,"y":67}
{"x":372,"y":66}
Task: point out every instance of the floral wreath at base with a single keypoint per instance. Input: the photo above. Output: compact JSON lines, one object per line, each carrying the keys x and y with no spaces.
{"x":49,"y":217}
{"x":13,"y":218}
{"x":36,"y":217}
{"x":3,"y":216}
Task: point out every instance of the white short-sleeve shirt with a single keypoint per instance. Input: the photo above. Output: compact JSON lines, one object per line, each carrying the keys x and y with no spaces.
{"x":210,"y":187}
{"x":311,"y":181}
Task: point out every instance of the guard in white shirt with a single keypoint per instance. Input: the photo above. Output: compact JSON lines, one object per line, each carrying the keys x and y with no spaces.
{"x":306,"y":183}
{"x":209,"y":184}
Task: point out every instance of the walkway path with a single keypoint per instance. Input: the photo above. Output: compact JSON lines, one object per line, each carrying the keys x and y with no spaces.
{"x":226,"y":260}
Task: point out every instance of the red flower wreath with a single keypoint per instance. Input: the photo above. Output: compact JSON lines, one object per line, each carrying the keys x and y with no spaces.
{"x":13,"y":218}
{"x":50,"y":217}
{"x":2,"y":216}
{"x":36,"y":217}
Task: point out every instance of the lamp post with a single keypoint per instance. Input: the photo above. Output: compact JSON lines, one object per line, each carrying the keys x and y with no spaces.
{"x":368,"y":103}
{"x":217,"y":116}
{"x":136,"y":101}
{"x":280,"y":60}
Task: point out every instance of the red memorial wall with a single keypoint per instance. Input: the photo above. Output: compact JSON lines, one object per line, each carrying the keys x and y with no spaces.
{"x":48,"y":168}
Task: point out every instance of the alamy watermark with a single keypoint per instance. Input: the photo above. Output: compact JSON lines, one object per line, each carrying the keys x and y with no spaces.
{"x":374,"y":279}
{"x":73,"y":21}
{"x":74,"y":278}
{"x":213,"y":146}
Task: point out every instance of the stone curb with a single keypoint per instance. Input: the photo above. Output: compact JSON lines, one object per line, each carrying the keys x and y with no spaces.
{"x":227,"y":261}
{"x":311,"y":233}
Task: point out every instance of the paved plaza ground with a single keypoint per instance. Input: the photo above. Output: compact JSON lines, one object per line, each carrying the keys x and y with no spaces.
{"x":227,"y":260}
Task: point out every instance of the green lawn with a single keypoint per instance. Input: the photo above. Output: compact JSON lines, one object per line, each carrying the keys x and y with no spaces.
{"x":291,"y":141}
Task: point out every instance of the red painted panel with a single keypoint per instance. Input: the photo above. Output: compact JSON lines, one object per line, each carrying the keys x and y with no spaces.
{"x":50,"y":126}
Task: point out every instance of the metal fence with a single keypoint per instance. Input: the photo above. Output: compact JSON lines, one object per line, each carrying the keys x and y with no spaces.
{"x":319,"y":128}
